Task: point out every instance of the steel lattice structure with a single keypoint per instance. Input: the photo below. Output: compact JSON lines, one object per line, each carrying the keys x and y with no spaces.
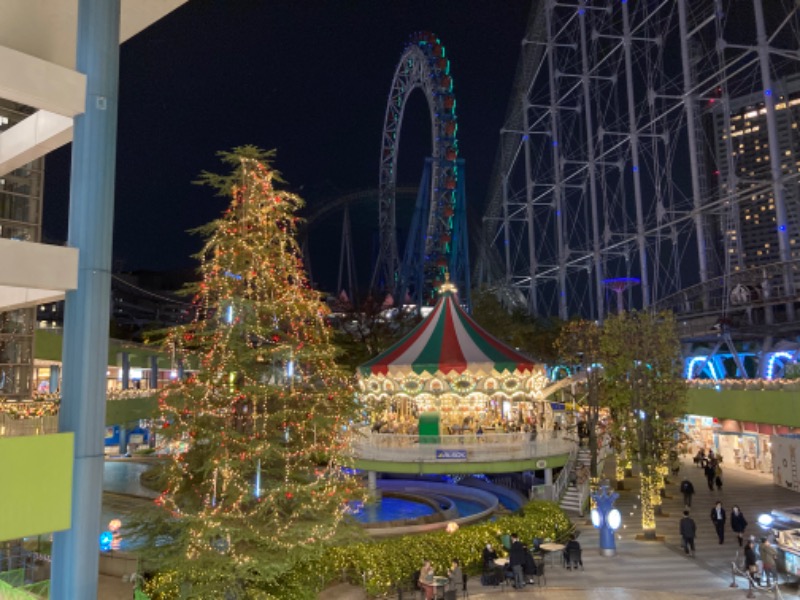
{"x":617,"y":161}
{"x":437,"y":240}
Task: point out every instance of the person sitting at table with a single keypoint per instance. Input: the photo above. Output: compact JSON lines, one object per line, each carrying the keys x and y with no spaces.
{"x":492,"y":573}
{"x":426,"y":575}
{"x":454,"y":578}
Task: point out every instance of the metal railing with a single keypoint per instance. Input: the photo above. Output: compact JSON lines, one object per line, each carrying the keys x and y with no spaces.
{"x":563,"y":478}
{"x":10,"y":426}
{"x":467,"y":447}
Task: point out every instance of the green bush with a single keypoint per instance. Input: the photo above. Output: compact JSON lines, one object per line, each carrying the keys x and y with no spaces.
{"x":384,"y":564}
{"x":391,"y":561}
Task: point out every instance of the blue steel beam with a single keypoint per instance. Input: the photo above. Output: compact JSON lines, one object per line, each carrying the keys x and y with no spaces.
{"x":86,"y":312}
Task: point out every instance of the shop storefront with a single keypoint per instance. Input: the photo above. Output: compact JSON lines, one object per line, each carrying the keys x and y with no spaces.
{"x":743,"y":444}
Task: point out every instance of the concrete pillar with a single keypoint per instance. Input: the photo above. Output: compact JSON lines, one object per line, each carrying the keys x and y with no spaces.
{"x":123,"y":439}
{"x":153,"y":372}
{"x":86,"y":312}
{"x":372,"y":485}
{"x":55,"y":378}
{"x":548,"y":476}
{"x":126,"y":371}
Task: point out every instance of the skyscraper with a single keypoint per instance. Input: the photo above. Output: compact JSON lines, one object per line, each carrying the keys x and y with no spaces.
{"x":749,"y":220}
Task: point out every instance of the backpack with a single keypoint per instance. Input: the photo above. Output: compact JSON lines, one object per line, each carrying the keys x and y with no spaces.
{"x":685,"y":487}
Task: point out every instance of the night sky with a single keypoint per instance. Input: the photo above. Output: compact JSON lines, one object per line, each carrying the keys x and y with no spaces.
{"x":308,"y":78}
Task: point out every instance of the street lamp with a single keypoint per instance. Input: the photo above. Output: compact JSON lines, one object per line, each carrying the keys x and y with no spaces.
{"x":606,"y":518}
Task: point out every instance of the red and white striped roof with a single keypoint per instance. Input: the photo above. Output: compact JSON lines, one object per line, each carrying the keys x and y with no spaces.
{"x":448,"y":341}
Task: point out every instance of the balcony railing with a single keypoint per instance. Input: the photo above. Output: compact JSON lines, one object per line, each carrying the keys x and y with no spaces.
{"x":469,"y":447}
{"x":10,"y":426}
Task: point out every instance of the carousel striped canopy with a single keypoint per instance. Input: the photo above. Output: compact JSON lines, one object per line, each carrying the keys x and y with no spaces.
{"x":447,"y":341}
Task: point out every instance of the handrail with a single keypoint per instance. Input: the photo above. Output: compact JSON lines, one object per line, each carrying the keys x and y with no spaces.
{"x":468,"y":447}
{"x":563,"y":478}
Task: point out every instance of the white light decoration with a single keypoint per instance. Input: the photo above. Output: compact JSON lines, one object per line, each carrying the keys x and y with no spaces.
{"x":452,"y":527}
{"x":597,"y":518}
{"x":614,"y":519}
{"x":765,"y":521}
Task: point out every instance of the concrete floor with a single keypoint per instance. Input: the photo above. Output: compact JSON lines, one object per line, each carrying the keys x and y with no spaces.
{"x":641,"y":570}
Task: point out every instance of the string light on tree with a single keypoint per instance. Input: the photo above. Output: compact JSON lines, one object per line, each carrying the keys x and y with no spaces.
{"x":259,"y":482}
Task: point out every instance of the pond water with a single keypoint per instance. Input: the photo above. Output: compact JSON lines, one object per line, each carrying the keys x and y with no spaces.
{"x":122,"y":477}
{"x":391,"y":508}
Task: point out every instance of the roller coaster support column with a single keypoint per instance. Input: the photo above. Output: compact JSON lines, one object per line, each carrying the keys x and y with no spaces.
{"x":91,"y":218}
{"x":778,"y":186}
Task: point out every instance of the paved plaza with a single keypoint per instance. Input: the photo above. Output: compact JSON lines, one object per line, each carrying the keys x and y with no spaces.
{"x":640,"y":570}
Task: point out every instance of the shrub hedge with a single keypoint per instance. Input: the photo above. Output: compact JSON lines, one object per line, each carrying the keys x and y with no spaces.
{"x":391,"y":562}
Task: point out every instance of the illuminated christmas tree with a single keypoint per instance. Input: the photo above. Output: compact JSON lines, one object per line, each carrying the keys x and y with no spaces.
{"x":256,"y":486}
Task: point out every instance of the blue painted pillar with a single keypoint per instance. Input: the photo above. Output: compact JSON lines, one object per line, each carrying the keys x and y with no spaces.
{"x":55,"y":376}
{"x":86,"y":312}
{"x":126,"y":370}
{"x":123,"y":439}
{"x":153,"y":372}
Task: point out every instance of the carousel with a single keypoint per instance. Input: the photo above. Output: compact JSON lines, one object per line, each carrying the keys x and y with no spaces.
{"x":450,"y":398}
{"x":450,"y":376}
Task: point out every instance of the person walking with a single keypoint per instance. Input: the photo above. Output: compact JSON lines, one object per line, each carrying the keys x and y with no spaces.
{"x":688,"y":530}
{"x":738,"y":523}
{"x":718,"y":476}
{"x":769,"y":556}
{"x":710,"y":473}
{"x":750,"y":567}
{"x":687,"y":489}
{"x":718,"y":517}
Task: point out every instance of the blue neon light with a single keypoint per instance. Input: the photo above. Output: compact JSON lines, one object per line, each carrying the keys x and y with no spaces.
{"x":698,"y":359}
{"x":771,"y":362}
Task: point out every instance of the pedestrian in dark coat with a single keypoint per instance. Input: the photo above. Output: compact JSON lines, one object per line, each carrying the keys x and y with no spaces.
{"x":687,"y":489}
{"x":738,"y":523}
{"x":718,"y":517}
{"x":688,"y":530}
{"x":710,"y":472}
{"x":517,"y":556}
{"x":750,"y":565}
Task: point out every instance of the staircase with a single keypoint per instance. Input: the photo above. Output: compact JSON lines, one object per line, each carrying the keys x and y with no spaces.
{"x":571,"y":501}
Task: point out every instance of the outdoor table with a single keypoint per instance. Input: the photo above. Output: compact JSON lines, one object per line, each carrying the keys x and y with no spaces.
{"x":439,"y":585}
{"x":551,"y":548}
{"x":501,"y":562}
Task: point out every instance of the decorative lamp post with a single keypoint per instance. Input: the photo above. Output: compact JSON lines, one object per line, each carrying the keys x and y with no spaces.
{"x":618,"y":285}
{"x":606,"y":518}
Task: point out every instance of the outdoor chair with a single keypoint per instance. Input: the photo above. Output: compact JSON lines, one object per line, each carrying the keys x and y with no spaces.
{"x":574,"y":559}
{"x":539,"y":571}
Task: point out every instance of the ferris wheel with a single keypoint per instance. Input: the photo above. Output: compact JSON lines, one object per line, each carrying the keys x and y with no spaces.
{"x":437,"y":240}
